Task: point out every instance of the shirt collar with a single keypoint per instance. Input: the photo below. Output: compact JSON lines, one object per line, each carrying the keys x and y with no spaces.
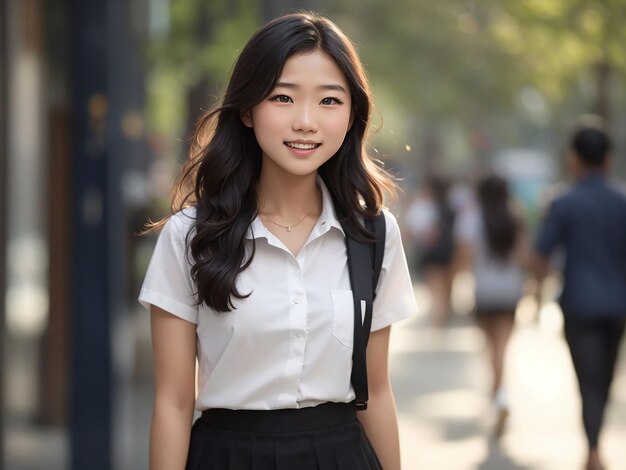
{"x":328,"y":215}
{"x":593,"y":176}
{"x":327,"y":220}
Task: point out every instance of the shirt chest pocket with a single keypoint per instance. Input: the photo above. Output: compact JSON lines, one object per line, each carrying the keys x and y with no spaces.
{"x":343,"y":316}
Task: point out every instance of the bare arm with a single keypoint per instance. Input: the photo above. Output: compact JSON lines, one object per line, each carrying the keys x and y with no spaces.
{"x":380,"y":420}
{"x":174,"y":349}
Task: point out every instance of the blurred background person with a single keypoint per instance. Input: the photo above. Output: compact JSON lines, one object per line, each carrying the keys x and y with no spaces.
{"x":588,"y":222}
{"x":429,"y":223}
{"x":491,"y":243}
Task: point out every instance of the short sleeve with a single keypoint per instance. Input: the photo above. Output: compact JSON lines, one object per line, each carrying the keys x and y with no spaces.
{"x":395,"y":299}
{"x":550,"y":231}
{"x":168,"y":283}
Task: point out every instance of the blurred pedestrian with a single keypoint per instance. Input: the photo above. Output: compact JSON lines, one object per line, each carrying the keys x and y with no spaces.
{"x":492,"y":243}
{"x":250,"y":274}
{"x":588,"y":222}
{"x":430,"y":221}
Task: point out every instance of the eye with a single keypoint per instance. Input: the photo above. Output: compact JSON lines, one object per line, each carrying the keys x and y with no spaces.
{"x":281,"y":99}
{"x":330,"y":100}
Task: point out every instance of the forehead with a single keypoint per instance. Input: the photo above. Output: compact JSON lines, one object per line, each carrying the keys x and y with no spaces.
{"x":314,"y":68}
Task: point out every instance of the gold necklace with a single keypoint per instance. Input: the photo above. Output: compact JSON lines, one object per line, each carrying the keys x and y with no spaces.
{"x":288,"y":227}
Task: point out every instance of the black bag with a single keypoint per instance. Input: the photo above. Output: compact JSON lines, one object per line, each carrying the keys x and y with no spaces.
{"x":365,"y":261}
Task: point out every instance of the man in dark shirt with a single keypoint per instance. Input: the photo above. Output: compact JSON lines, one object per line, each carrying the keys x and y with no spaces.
{"x":588,"y":222}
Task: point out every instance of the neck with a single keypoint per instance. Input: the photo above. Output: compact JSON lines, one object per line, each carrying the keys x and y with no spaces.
{"x":290,"y":197}
{"x":589,"y":172}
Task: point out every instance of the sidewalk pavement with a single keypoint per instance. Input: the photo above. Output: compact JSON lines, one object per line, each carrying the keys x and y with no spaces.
{"x":441,"y":382}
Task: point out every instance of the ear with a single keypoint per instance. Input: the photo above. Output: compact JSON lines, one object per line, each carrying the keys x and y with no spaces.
{"x":246,"y":118}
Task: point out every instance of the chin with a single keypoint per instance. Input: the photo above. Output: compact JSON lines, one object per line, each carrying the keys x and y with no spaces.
{"x":302,"y":173}
{"x":302,"y":168}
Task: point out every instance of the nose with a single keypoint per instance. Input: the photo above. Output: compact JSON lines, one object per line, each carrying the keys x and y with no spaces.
{"x":304,"y":119}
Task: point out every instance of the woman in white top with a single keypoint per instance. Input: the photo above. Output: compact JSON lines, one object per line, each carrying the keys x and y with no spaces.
{"x":491,"y":242}
{"x":249,"y":274}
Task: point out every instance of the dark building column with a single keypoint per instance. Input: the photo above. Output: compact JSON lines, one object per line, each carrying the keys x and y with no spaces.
{"x":128,"y":158}
{"x":107,"y":111}
{"x":3,"y":203}
{"x":90,"y":389}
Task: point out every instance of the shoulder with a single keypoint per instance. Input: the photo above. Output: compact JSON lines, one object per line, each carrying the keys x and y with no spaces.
{"x":181,"y":222}
{"x":562,"y":196}
{"x":618,"y":187}
{"x":391,"y":224}
{"x":177,"y":227}
{"x":393,"y":236}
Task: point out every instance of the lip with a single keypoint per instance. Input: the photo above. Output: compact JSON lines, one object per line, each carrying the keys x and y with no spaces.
{"x":301,"y":141}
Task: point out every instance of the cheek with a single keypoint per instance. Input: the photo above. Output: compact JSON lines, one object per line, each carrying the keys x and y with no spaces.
{"x":341,"y":123}
{"x":264,"y":124}
{"x":267,"y":119}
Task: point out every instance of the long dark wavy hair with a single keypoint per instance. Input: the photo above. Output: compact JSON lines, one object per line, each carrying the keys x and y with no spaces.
{"x":221,"y":174}
{"x":501,"y":223}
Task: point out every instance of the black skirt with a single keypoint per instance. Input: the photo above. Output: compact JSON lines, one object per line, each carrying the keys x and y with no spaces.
{"x":325,"y":437}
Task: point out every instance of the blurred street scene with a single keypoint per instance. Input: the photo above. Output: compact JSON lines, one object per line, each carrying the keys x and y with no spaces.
{"x":97,"y":99}
{"x":440,"y":380}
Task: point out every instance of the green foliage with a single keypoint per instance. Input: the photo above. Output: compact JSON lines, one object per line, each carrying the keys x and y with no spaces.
{"x":201,"y":46}
{"x":522,"y":69}
{"x":557,"y":42}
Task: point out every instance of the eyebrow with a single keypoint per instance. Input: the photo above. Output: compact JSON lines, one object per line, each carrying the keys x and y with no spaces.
{"x":320,"y":87}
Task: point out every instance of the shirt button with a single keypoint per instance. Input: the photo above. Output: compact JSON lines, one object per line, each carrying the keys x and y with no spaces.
{"x":296,"y":300}
{"x":323,"y":222}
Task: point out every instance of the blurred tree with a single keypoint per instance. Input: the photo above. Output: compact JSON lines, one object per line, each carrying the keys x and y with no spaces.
{"x":188,"y":64}
{"x":555,"y":44}
{"x":273,"y":8}
{"x":437,"y":69}
{"x":511,"y":72}
{"x":459,"y":78}
{"x":438,"y":55}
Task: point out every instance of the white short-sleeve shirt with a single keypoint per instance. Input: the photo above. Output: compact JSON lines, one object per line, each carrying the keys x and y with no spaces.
{"x":289,"y":344}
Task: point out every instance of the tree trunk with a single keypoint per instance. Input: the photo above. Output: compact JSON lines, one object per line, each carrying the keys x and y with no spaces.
{"x":603,"y":83}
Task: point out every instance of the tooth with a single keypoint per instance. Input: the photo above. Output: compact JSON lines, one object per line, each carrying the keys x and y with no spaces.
{"x":301,"y":146}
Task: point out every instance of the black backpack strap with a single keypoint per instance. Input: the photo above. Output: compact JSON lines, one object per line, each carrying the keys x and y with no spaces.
{"x":378,"y":227}
{"x":364,"y":265}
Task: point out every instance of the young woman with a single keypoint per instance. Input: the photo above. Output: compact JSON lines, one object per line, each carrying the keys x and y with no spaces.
{"x":430,"y":222}
{"x":491,"y":243}
{"x":249,"y":274}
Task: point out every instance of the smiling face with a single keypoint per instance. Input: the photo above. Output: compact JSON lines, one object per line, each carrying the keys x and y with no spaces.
{"x":304,"y":120}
